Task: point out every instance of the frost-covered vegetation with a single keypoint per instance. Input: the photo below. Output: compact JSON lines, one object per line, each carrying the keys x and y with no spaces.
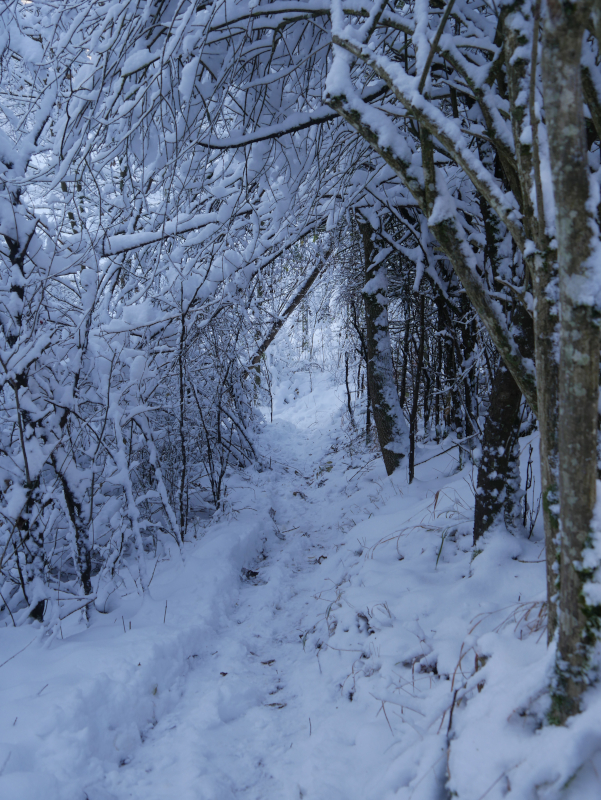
{"x":205,"y":207}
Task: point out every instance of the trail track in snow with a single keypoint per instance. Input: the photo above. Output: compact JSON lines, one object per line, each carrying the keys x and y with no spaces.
{"x":256,"y":719}
{"x":310,"y":646}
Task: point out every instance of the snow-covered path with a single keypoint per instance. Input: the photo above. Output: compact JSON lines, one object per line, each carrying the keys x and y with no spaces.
{"x":254,"y":719}
{"x":331,"y":636}
{"x":211,"y":685}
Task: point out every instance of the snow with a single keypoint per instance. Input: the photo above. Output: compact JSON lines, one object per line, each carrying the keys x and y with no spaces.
{"x":331,"y":635}
{"x":138,"y":60}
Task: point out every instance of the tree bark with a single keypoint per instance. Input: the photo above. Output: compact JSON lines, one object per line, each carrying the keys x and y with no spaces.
{"x":500,"y":434}
{"x":579,"y":347}
{"x":388,"y":416}
{"x":543,"y":272}
{"x":416,"y":385}
{"x":349,"y":404}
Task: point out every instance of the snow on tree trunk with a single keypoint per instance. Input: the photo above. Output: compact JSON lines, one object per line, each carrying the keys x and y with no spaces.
{"x":576,"y":233}
{"x":545,"y":330}
{"x":498,"y":456}
{"x":388,"y":416}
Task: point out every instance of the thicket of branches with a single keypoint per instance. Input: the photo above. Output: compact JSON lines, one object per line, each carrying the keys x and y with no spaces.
{"x":175,"y":178}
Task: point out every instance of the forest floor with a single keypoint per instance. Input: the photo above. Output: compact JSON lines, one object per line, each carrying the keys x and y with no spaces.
{"x":330,"y":635}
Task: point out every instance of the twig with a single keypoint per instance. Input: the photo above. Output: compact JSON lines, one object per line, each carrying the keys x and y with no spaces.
{"x":386,"y":715}
{"x":9,"y":611}
{"x":20,"y":651}
{"x":442,"y":452}
{"x":153,"y":571}
{"x":6,"y":760}
{"x":492,"y":786}
{"x":434,"y":46}
{"x":79,"y":608}
{"x":451,"y":712}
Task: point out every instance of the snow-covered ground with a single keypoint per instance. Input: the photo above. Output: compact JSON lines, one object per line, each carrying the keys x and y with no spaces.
{"x":331,"y":636}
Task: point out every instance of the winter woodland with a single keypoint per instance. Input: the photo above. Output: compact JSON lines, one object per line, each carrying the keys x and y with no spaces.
{"x":299,"y":407}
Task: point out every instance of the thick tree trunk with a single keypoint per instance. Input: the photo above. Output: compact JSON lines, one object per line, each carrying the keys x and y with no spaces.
{"x":500,"y":435}
{"x":579,"y":347}
{"x":388,"y":416}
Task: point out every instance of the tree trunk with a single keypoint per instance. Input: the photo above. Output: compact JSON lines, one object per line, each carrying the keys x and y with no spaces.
{"x":543,"y":271}
{"x":416,"y":385}
{"x":388,"y":416}
{"x":498,"y":452}
{"x":545,"y":327}
{"x":302,"y":293}
{"x":403,"y":388}
{"x":182,"y":495}
{"x":349,"y":404}
{"x":579,"y":348}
